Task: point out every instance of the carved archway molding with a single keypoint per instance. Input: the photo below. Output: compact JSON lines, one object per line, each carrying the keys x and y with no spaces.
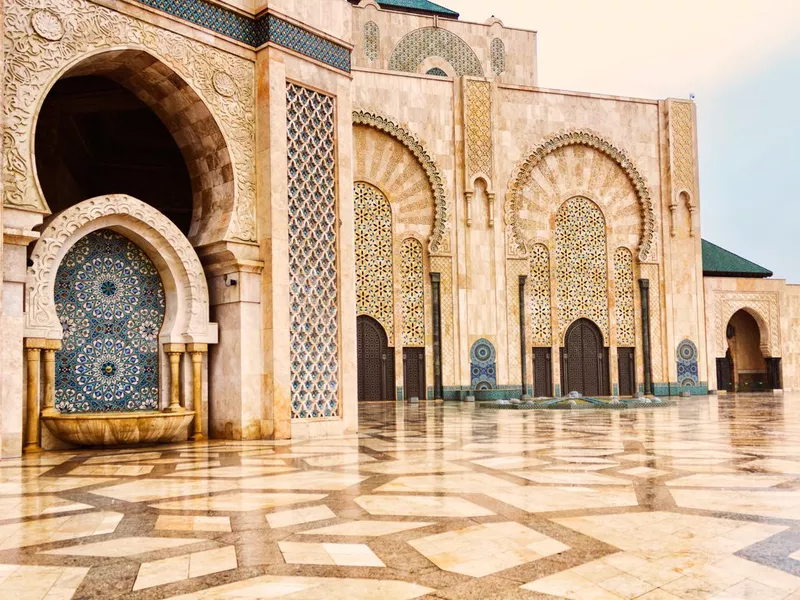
{"x":439,"y":243}
{"x":187,"y":315}
{"x":35,"y":59}
{"x":516,"y":246}
{"x":762,"y":306}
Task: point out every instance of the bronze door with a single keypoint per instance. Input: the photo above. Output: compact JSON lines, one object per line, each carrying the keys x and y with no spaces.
{"x":542,"y":373}
{"x":375,"y":361}
{"x":414,"y":373}
{"x":584,"y":360}
{"x":627,"y":371}
{"x":725,"y":373}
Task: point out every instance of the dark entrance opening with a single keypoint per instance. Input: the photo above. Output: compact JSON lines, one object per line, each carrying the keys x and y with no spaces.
{"x":725,"y":373}
{"x":584,"y":360}
{"x":375,"y":361}
{"x":627,"y":371}
{"x":542,"y":372}
{"x":95,"y":137}
{"x":414,"y":373}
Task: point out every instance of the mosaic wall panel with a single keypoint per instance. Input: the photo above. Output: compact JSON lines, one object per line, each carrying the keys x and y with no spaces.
{"x":434,"y":41}
{"x":413,"y":291}
{"x":483,"y":365}
{"x":623,"y":298}
{"x":437,"y":72}
{"x":687,"y":364}
{"x":515,"y":268}
{"x":650,"y":272}
{"x":373,"y":245}
{"x":498,"y":56}
{"x":444,"y":266}
{"x":110,"y":301}
{"x":539,"y":296}
{"x":581,"y":270}
{"x":372,"y":40}
{"x":256,"y":32}
{"x":479,"y":127}
{"x":313,"y":293}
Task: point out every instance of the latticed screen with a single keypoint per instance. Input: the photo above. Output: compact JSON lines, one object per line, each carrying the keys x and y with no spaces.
{"x":313,"y":288}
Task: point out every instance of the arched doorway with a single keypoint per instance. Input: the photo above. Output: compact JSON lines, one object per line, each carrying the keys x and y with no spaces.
{"x":375,"y":361}
{"x":748,"y":370}
{"x":111,"y":304}
{"x":584,"y":360}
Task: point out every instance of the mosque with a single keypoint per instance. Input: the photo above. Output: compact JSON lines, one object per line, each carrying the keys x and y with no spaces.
{"x":238,"y":219}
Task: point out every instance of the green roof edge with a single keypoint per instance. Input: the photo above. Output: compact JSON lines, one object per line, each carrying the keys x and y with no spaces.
{"x":425,"y":6}
{"x":719,"y":262}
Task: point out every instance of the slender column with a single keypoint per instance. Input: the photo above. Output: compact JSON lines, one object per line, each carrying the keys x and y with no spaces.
{"x":522,"y":355}
{"x":197,"y":351}
{"x":438,"y":392}
{"x":174,"y":351}
{"x":49,"y":382}
{"x":33,"y":356}
{"x":644,"y":290}
{"x":468,"y":196}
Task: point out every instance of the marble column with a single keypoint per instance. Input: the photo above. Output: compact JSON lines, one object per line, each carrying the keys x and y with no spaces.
{"x":175,"y":352}
{"x":33,"y":357}
{"x":197,"y":351}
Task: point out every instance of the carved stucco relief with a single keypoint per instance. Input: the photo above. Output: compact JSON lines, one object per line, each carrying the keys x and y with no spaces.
{"x":762,"y":306}
{"x":518,"y":240}
{"x":439,"y":242}
{"x":44,"y":38}
{"x":187,"y":313}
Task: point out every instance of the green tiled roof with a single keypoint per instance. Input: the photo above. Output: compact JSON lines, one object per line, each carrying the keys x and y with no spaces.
{"x":421,"y":6}
{"x":718,"y":262}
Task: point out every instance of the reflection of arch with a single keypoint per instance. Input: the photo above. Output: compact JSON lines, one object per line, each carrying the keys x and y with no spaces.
{"x":223,"y":81}
{"x":189,"y":121}
{"x":522,"y":175}
{"x":440,"y":238}
{"x":187,"y":316}
{"x":434,"y":41}
{"x":483,"y":365}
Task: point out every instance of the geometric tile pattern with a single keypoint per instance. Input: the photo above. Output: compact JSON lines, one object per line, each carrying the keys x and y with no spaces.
{"x":256,"y":32}
{"x":413,"y":290}
{"x":313,"y":293}
{"x":372,"y":40}
{"x":434,"y":41}
{"x":479,"y":127}
{"x":373,"y":248}
{"x":701,"y":502}
{"x":687,"y":364}
{"x":623,"y":297}
{"x":482,"y":365}
{"x":110,"y":301}
{"x":539,"y":278}
{"x":498,"y":56}
{"x":581,"y":264}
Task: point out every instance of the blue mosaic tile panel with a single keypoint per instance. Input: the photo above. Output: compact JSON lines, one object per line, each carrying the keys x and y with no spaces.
{"x":256,"y":33}
{"x":313,"y":287}
{"x":687,"y":364}
{"x":110,"y":301}
{"x":483,"y":366}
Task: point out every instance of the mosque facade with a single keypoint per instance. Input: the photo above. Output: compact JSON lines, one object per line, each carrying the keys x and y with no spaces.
{"x":238,"y":219}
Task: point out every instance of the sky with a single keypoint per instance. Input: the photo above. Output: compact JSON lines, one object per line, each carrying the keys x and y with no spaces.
{"x":741,"y":60}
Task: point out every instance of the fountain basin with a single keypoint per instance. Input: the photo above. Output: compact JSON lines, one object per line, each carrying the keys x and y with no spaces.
{"x":119,"y":428}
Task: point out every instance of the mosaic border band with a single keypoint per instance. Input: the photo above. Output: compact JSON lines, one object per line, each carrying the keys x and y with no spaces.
{"x":256,"y":32}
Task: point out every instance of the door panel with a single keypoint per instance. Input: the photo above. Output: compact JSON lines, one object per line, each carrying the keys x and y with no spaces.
{"x":375,"y":361}
{"x":584,"y":360}
{"x":627,"y":371}
{"x":414,"y":372}
{"x":542,"y":373}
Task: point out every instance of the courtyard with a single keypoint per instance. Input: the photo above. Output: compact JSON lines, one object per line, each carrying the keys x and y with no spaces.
{"x":434,"y":500}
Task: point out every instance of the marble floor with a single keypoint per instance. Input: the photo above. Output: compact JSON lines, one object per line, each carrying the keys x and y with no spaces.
{"x":700,"y":500}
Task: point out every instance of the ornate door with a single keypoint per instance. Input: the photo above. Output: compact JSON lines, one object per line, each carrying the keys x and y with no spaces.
{"x":375,"y":358}
{"x":110,"y":301}
{"x":542,"y":373}
{"x":414,"y":372}
{"x":725,"y":373}
{"x":627,"y":371}
{"x":584,"y":363}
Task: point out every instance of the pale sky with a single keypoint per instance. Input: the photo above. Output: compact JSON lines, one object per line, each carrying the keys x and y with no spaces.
{"x":740,"y":58}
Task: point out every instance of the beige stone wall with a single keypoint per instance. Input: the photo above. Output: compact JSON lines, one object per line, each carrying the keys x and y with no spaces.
{"x":519,"y":55}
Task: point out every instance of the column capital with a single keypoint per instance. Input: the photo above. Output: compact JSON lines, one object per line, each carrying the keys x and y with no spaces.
{"x":42,"y":344}
{"x":196,"y":348}
{"x":174,"y":348}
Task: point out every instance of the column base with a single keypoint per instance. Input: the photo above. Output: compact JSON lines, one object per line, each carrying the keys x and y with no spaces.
{"x":32,"y":449}
{"x":198,"y":437}
{"x":174,"y":409}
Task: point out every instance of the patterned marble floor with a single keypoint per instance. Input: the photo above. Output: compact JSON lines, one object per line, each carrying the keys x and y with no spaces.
{"x":433,"y":501}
